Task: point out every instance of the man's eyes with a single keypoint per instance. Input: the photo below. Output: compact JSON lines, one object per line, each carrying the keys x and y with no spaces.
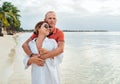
{"x":52,"y":18}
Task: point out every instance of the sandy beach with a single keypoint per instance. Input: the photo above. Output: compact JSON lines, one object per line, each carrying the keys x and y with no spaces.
{"x":11,"y":66}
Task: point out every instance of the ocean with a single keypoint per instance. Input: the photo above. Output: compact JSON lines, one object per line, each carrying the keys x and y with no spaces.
{"x":89,"y":57}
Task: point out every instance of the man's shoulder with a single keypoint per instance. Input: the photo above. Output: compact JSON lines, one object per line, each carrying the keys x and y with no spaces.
{"x":59,"y":30}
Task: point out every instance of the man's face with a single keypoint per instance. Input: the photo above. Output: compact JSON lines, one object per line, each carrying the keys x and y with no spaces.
{"x":51,"y":19}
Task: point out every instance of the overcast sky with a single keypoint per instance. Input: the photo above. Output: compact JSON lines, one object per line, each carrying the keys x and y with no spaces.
{"x":71,"y":14}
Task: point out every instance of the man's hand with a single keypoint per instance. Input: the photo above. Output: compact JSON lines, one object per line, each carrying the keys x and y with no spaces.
{"x":36,"y":60}
{"x":43,"y":51}
{"x":43,"y":57}
{"x":53,"y":53}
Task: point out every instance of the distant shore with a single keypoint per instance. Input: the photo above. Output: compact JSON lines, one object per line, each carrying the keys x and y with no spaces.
{"x":75,"y":30}
{"x":85,"y":30}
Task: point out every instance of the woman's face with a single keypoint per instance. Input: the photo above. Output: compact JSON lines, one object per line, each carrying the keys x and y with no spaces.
{"x":44,"y":29}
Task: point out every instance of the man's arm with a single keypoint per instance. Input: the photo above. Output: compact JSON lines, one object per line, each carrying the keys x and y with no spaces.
{"x":26,"y":48}
{"x":55,"y":52}
{"x":34,"y":57}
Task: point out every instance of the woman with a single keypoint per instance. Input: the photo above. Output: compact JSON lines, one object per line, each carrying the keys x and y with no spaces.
{"x":49,"y":73}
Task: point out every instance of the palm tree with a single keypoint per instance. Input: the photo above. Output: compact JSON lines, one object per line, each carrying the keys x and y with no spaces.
{"x":3,"y":20}
{"x":9,"y":17}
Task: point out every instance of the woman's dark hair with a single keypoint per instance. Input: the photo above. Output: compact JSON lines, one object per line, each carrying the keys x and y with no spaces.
{"x":38,"y":26}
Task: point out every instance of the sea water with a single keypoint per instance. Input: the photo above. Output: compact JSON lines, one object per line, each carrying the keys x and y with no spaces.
{"x":89,"y":57}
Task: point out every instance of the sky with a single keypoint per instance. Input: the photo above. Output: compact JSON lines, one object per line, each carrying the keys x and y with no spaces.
{"x":71,"y":14}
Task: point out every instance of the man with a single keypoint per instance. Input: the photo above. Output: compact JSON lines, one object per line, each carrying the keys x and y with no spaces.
{"x":55,"y":33}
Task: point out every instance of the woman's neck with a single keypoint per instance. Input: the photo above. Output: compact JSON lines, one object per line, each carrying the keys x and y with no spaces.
{"x":41,"y":37}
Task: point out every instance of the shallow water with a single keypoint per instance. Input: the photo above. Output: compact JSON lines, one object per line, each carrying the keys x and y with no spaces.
{"x":91,"y":58}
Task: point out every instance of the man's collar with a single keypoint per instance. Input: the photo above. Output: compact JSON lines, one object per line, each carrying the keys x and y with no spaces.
{"x":54,"y":30}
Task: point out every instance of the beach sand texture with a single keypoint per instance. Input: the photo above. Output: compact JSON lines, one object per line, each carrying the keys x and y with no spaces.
{"x":11,"y":66}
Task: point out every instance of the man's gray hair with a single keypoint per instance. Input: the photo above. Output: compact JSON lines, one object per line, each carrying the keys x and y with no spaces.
{"x":49,"y":12}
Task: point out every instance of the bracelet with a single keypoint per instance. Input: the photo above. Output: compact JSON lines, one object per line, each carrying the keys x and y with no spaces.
{"x":31,"y":54}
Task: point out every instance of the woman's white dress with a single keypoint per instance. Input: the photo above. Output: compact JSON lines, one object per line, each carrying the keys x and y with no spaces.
{"x":49,"y":73}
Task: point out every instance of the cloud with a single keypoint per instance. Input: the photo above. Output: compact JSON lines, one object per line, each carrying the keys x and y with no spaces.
{"x":102,"y":7}
{"x":69,"y":6}
{"x":69,"y":12}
